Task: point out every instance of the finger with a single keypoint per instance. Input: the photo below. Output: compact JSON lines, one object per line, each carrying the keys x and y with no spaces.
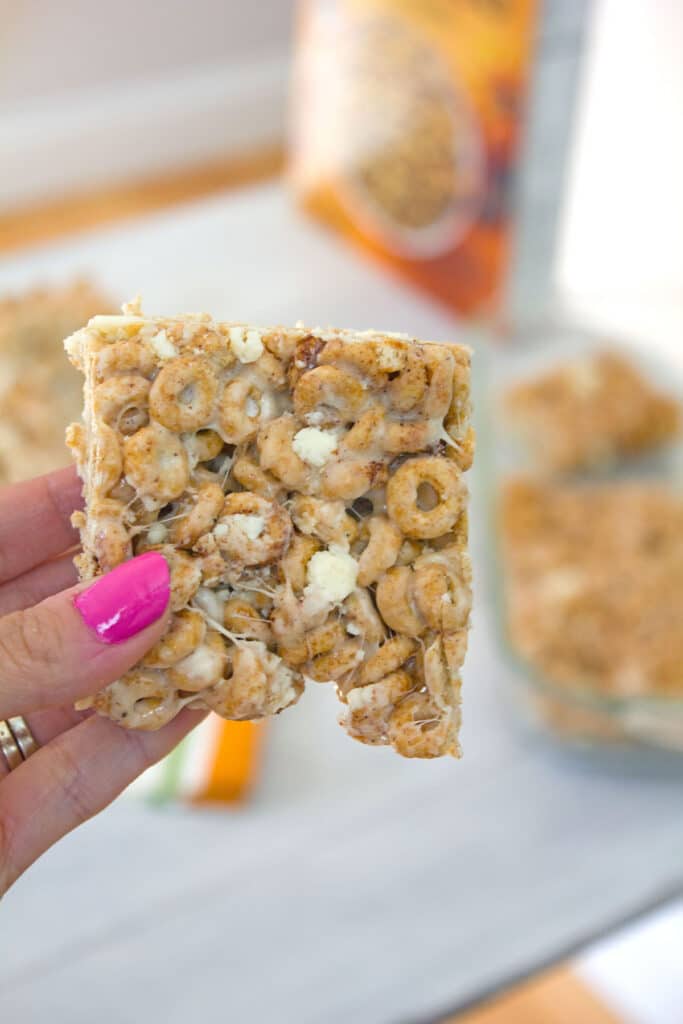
{"x":51,"y":722}
{"x":37,"y":584}
{"x":70,"y":780}
{"x":76,"y":642}
{"x":35,"y":521}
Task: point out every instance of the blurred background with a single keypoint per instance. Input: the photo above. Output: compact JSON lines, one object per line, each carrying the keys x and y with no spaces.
{"x":504,"y":173}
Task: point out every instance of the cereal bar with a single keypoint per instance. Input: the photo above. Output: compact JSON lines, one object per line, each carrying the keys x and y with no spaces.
{"x":591,"y":411}
{"x":594,"y":584}
{"x":306,"y":487}
{"x":39,"y":392}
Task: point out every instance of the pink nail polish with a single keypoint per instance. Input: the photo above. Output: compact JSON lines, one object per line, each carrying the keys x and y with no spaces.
{"x":126,"y":600}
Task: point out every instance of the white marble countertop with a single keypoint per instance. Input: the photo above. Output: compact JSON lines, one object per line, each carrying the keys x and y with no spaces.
{"x":357,"y":887}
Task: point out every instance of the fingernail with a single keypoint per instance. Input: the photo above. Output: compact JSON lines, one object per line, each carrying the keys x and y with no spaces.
{"x":126,"y":600}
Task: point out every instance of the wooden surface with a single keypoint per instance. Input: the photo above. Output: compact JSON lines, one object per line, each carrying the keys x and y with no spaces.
{"x":79,"y":213}
{"x":555,"y":998}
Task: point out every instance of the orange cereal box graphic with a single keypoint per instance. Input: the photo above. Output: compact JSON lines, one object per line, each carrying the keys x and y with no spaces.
{"x":406,"y":128}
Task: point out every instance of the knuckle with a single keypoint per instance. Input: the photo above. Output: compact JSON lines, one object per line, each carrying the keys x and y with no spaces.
{"x":31,"y":641}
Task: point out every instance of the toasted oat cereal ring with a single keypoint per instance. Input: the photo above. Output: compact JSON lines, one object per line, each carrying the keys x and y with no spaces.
{"x":121,"y":402}
{"x":75,"y":438}
{"x":349,"y":480}
{"x":432,"y":589}
{"x":247,"y":473}
{"x":306,"y":356}
{"x":203,"y":446}
{"x":255,"y":685}
{"x":184,"y":394}
{"x":261,"y":600}
{"x":110,"y":506}
{"x":252,"y":530}
{"x":442,"y":598}
{"x":361,"y":618}
{"x":278,"y":456}
{"x":363,"y":358}
{"x":366,"y":433}
{"x":321,"y":640}
{"x":123,"y":492}
{"x":294,"y":562}
{"x":203,"y":667}
{"x":368,"y":707}
{"x":327,"y":520}
{"x":205,"y":475}
{"x":439,"y":679}
{"x":186,"y":575}
{"x":331,"y":393}
{"x":242,"y":618}
{"x":141,"y":699}
{"x":409,"y":387}
{"x":462,"y":451}
{"x":417,"y":728}
{"x":155,"y":463}
{"x":280,"y":344}
{"x":381,"y":552}
{"x":242,"y":692}
{"x":404,"y":496}
{"x":408,"y":436}
{"x":139,"y":512}
{"x":396,"y":603}
{"x":271,"y":370}
{"x":342,"y":662}
{"x":111,"y":540}
{"x":106,"y":457}
{"x":286,"y":619}
{"x":203,"y":511}
{"x":391,"y":655}
{"x":440,"y":390}
{"x":409,"y":551}
{"x":185,"y":632}
{"x":241,"y":410}
{"x":125,"y":357}
{"x":454,"y":649}
{"x":462,"y":359}
{"x":213,"y":567}
{"x":213,"y":342}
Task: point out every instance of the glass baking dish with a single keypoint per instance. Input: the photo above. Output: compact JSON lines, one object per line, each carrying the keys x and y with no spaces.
{"x":574,"y":712}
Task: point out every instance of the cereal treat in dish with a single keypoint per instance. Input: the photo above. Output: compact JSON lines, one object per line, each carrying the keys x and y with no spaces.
{"x":592,"y":411}
{"x":594,"y":584}
{"x":39,"y":392}
{"x":306,"y":487}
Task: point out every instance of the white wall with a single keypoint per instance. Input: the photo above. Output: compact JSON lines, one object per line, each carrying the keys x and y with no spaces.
{"x":53,"y":47}
{"x":95,"y":91}
{"x":623,"y":221}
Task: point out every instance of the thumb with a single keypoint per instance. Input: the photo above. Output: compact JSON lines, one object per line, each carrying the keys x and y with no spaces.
{"x":76,"y":642}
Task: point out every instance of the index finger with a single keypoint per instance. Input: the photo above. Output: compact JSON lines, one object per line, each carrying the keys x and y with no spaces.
{"x":35,"y":520}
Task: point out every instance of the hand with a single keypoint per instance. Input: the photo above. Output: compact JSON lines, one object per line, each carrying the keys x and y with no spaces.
{"x":58,"y":645}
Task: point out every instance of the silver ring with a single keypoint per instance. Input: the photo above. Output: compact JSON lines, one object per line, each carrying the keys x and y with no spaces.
{"x":9,"y":747}
{"x":17,"y":742}
{"x":24,"y":737}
